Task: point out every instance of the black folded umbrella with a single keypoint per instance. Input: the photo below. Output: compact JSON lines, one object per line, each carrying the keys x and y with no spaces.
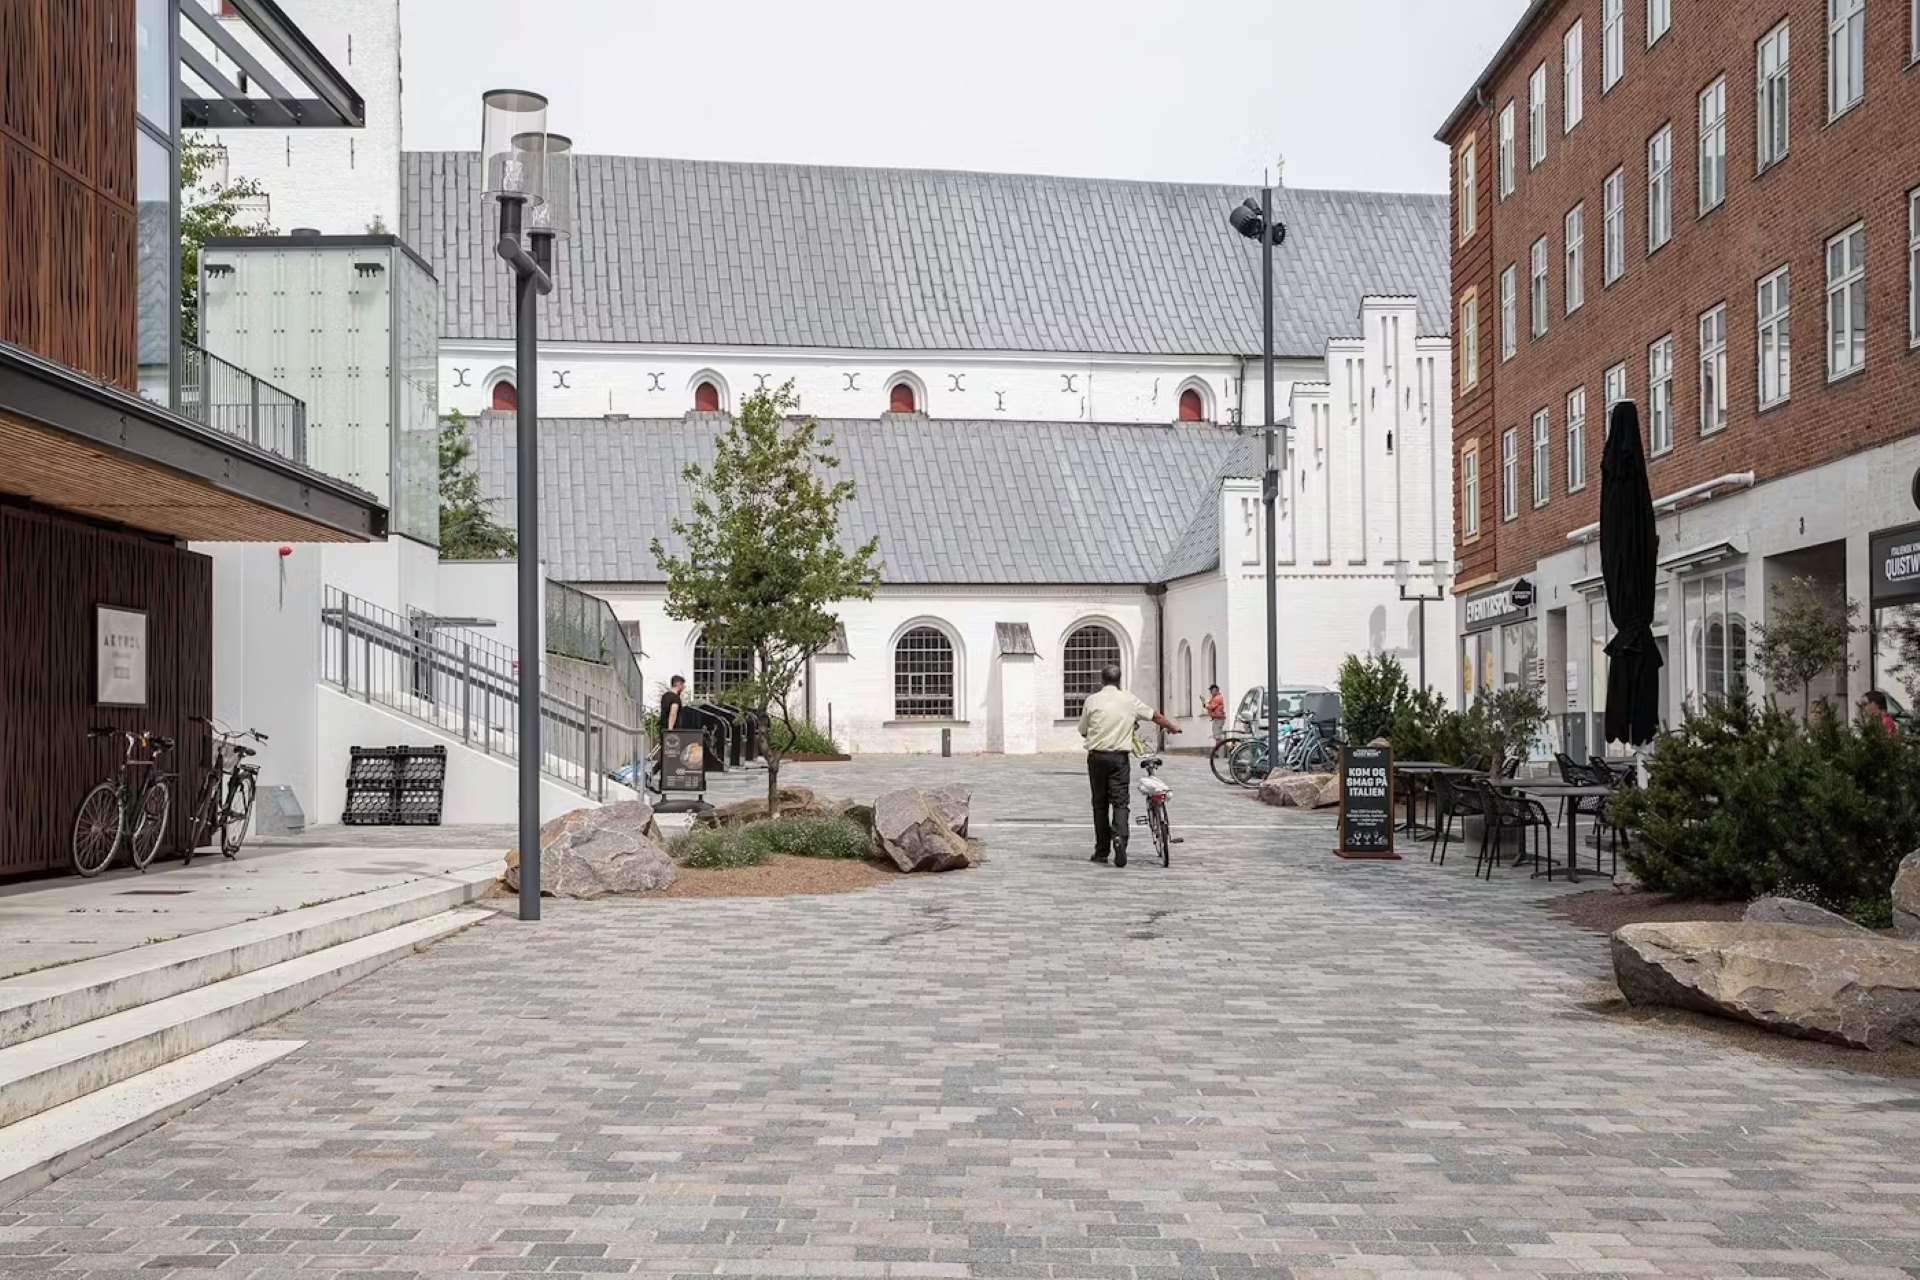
{"x":1629,"y":553}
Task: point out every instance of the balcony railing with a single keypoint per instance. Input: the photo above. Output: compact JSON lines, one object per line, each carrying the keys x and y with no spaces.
{"x":232,"y":401}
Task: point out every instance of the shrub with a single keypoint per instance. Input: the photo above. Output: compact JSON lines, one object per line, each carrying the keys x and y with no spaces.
{"x":1424,"y":729}
{"x":802,"y":737}
{"x":724,"y":848}
{"x":1371,"y":687}
{"x":1501,"y":723}
{"x":1742,"y":800}
{"x":717,"y":849}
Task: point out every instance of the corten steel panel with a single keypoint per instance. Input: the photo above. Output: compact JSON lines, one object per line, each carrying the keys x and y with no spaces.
{"x":67,"y":133}
{"x":53,"y":572}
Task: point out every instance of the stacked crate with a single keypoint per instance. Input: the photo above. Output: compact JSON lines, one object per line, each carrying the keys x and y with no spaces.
{"x":395,"y":786}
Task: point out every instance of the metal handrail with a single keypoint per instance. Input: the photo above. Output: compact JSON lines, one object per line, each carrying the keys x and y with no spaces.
{"x":466,"y":685}
{"x":221,"y":395}
{"x":582,"y":626}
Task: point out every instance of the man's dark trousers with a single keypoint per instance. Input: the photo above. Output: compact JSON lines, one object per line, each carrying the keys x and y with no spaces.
{"x":1107,"y":777}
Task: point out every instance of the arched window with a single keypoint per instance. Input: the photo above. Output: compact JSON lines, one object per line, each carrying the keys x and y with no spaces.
{"x":1192,"y":407}
{"x":706,"y":398}
{"x":1088,"y":649}
{"x":901,"y":399}
{"x":504,"y":396}
{"x":923,"y":675}
{"x":1186,"y":679}
{"x":716,"y":670}
{"x":1209,"y":662}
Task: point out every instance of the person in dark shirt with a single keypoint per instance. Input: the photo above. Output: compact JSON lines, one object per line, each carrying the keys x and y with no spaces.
{"x":670,"y":704}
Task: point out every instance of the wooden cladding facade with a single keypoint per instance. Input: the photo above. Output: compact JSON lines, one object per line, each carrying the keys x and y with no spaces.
{"x":53,"y":573}
{"x":68,"y":263}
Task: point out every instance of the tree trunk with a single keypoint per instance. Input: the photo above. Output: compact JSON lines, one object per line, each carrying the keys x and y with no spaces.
{"x":773,"y":784}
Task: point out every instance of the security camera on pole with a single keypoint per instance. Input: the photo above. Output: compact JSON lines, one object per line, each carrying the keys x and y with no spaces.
{"x":1255,"y":221}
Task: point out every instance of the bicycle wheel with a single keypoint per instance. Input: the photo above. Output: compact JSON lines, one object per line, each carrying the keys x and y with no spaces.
{"x":150,"y":824}
{"x":96,"y":830}
{"x":206,"y":817}
{"x":1248,"y":763}
{"x":1157,"y":819}
{"x":233,"y":831}
{"x":1222,"y":752}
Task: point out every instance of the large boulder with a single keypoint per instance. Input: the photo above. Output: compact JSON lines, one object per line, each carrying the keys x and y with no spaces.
{"x":918,"y":834}
{"x":1857,"y":989}
{"x":589,"y":853}
{"x":799,"y":802}
{"x":1906,"y":898}
{"x":1794,"y":911}
{"x":1300,"y":790}
{"x":951,"y":804}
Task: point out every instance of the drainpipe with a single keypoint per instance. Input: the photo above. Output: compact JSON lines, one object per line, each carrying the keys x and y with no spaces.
{"x":1159,"y":593}
{"x":1240,"y":391}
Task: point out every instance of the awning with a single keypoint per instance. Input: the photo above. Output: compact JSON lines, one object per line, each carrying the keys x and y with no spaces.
{"x":1701,"y":557}
{"x":1014,"y":639}
{"x":260,"y":71}
{"x":82,"y":446}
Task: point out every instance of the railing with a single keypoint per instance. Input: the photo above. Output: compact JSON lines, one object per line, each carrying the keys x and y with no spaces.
{"x":466,"y":685}
{"x":232,"y":401}
{"x":583,"y":626}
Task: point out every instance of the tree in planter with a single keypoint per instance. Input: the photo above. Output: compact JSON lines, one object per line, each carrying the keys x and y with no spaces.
{"x":1808,"y":633}
{"x":1371,"y":688}
{"x":467,"y":527}
{"x":208,"y":209}
{"x":764,"y":564}
{"x":1501,"y":723}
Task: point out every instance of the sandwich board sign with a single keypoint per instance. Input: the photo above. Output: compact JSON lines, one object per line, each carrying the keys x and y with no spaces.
{"x":1366,"y":803}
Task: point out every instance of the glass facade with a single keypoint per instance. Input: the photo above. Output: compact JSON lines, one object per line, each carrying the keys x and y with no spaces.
{"x":157,"y":238}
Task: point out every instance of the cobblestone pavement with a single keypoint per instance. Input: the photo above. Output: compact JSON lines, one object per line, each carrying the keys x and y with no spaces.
{"x":1262,"y":1062}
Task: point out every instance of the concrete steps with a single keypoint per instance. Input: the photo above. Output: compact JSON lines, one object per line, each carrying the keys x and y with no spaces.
{"x":95,"y":1053}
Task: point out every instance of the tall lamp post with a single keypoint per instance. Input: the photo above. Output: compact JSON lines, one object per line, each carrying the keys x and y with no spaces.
{"x":519,"y":158}
{"x":1402,"y":575}
{"x":1255,"y":221}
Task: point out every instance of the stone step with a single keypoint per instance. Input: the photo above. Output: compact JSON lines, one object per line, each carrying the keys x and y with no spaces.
{"x":57,"y":1141}
{"x":43,"y":1073}
{"x":50,"y":1000}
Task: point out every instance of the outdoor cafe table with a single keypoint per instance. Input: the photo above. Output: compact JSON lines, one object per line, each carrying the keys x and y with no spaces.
{"x":1551,"y":789}
{"x":1426,"y":769}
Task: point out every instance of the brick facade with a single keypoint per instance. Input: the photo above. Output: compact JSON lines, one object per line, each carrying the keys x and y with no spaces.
{"x":1856,"y":168}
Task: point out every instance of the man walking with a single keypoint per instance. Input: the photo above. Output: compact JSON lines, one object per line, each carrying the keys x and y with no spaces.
{"x":1106,"y":727}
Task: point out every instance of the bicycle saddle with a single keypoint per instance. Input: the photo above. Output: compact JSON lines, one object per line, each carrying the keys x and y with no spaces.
{"x":158,"y":742}
{"x":1150,"y":762}
{"x":244,"y":752}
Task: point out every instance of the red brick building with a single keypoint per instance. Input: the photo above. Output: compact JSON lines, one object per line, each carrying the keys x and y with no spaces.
{"x":1712,"y":210}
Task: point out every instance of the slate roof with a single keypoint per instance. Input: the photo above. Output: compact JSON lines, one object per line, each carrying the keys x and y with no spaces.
{"x":691,"y":252}
{"x":952,"y":502}
{"x":1197,"y":549}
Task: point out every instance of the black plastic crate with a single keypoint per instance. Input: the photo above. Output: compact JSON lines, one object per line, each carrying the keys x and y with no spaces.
{"x":395,"y":786}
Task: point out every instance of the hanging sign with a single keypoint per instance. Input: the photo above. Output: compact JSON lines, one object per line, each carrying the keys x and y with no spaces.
{"x":1893,"y":566}
{"x":1366,"y":803}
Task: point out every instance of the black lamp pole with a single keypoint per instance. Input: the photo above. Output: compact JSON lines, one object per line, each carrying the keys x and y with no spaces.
{"x":1256,"y":223}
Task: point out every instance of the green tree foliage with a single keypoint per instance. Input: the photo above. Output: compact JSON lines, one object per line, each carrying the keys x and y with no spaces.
{"x":1743,"y":800}
{"x":1371,"y":687}
{"x":1808,"y":634}
{"x":208,"y":208}
{"x":764,"y":564}
{"x":1424,"y":728}
{"x":1501,"y":723}
{"x":467,"y":528}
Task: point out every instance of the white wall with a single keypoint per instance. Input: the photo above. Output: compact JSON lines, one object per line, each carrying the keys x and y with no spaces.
{"x":266,"y":627}
{"x":337,"y":181}
{"x":658,"y":382}
{"x":488,"y":589}
{"x":858,"y":690}
{"x":1196,"y":613}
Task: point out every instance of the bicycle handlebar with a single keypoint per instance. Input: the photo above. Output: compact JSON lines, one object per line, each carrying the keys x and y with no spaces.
{"x":229,"y":734}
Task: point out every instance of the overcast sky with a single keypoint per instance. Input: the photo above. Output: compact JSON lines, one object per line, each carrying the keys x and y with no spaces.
{"x":1349,"y":91}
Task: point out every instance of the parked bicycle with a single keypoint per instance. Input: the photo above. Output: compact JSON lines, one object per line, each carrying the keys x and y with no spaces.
{"x":130,"y":808}
{"x":1306,"y":746}
{"x":225,"y":804}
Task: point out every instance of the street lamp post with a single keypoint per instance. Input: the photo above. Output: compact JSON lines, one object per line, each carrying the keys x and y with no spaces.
{"x":515,"y":152}
{"x":1256,"y":222}
{"x":1402,"y":575}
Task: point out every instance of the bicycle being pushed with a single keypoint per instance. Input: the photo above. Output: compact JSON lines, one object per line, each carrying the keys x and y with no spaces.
{"x":130,"y":808}
{"x":1155,"y":789}
{"x":225,"y":803}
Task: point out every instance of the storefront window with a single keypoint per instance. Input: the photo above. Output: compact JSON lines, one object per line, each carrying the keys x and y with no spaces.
{"x":1520,"y":653}
{"x":1600,"y":631}
{"x":1484,"y":661}
{"x":1714,"y":620}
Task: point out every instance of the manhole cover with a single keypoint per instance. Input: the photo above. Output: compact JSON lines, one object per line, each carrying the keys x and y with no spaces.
{"x":152,"y":893}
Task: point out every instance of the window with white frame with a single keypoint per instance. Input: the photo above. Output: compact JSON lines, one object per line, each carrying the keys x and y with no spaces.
{"x":1847,"y":301}
{"x":1576,"y":439}
{"x":1771,"y":78}
{"x":1573,"y":105}
{"x":1510,"y":474}
{"x":1713,"y":370}
{"x":1470,"y":492}
{"x":1713,"y":145}
{"x":1846,"y":54}
{"x":1542,"y":458}
{"x":1913,"y":256}
{"x":1613,"y":43}
{"x":1613,"y":389}
{"x":1775,"y":338}
{"x":1713,"y":618}
{"x":1659,"y":18}
{"x":1660,"y":395}
{"x":1574,"y":287}
{"x":1537,"y":288}
{"x":1504,"y":158}
{"x":1537,"y":116}
{"x":1469,"y":198}
{"x":1613,"y":200}
{"x":1470,"y":339}
{"x":1659,"y":188}
{"x":1090,"y":647}
{"x":1509,"y":318}
{"x":923,"y":681}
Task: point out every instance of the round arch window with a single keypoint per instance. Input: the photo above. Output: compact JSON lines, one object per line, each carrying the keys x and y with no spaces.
{"x":504,"y":396}
{"x":923,"y":678}
{"x":706,"y":398}
{"x":1088,"y":649}
{"x":901,"y":399}
{"x":1193,"y":407}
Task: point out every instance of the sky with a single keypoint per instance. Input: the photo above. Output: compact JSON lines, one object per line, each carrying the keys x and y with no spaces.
{"x":1349,"y":92}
